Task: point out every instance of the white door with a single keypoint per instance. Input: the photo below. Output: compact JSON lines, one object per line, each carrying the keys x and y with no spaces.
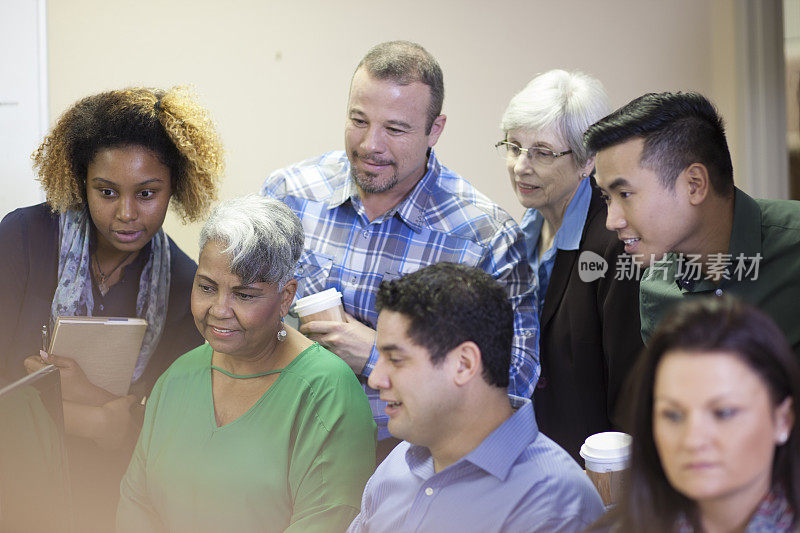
{"x":23,"y":99}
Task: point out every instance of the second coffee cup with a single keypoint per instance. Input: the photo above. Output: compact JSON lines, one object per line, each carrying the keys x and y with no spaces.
{"x":325,"y":305}
{"x":607,"y":457}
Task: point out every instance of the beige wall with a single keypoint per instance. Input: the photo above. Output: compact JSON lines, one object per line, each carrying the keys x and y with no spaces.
{"x":275,"y":74}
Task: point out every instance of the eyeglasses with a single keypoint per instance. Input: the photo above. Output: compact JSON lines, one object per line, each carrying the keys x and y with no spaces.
{"x":543,"y":156}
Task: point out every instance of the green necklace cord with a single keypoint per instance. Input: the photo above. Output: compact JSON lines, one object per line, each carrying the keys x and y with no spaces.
{"x":247,"y":376}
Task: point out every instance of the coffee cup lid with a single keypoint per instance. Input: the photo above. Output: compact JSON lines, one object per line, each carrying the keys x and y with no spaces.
{"x":609,"y":446}
{"x":318,"y":302}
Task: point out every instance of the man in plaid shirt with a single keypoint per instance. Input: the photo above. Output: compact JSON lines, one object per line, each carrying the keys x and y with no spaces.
{"x":386,"y":207}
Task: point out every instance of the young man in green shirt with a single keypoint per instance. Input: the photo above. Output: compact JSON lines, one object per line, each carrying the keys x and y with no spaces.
{"x":664,"y":168}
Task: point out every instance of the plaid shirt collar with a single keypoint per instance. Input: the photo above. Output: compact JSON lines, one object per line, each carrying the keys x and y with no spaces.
{"x":411,"y":210}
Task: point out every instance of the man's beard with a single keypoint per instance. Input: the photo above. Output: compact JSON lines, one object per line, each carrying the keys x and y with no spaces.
{"x":369,"y":182}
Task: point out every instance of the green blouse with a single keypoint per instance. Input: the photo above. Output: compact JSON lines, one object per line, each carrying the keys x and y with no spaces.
{"x":297,"y":460}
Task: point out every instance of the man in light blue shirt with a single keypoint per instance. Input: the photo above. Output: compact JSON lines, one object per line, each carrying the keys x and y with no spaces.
{"x":473,"y":459}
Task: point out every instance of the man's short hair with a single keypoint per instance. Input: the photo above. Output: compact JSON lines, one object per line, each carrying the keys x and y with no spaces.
{"x":678,"y":129}
{"x":404,"y":63}
{"x":447,"y":304}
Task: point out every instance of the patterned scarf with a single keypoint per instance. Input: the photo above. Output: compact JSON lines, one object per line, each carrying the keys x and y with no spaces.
{"x":73,"y":296}
{"x":774,"y":515}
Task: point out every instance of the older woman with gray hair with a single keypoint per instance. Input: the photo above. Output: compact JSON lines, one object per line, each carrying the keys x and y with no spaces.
{"x":588,"y":313}
{"x":259,"y":429}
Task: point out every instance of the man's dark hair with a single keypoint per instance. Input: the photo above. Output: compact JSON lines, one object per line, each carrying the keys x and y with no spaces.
{"x":678,"y":129}
{"x":404,"y":62}
{"x":447,"y":304}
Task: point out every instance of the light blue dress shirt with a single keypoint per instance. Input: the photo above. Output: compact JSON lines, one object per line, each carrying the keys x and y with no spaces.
{"x":568,"y":236}
{"x":516,"y":480}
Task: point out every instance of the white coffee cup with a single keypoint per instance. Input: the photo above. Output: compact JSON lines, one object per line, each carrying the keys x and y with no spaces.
{"x":325,"y":305}
{"x":607,"y":457}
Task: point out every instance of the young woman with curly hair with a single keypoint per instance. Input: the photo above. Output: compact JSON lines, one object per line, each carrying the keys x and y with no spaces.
{"x":110,"y":167}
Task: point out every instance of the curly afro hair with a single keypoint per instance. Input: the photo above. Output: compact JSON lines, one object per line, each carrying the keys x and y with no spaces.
{"x":169,"y":123}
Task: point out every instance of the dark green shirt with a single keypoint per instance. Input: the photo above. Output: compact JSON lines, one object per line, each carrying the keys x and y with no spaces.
{"x":766,"y":228}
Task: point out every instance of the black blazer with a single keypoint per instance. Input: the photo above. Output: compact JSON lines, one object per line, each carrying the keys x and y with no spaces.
{"x":589,"y":339}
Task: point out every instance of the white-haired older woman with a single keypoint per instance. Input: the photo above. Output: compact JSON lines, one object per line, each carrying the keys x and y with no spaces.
{"x":589,"y":326}
{"x":260,"y":429}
